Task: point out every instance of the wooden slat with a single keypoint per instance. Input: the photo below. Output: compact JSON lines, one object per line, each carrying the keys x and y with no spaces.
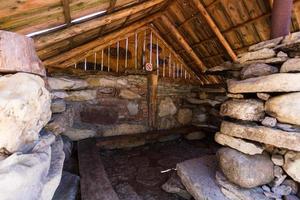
{"x":94,"y":183}
{"x":67,"y":13}
{"x":60,"y":35}
{"x":215,"y":29}
{"x":183,"y":42}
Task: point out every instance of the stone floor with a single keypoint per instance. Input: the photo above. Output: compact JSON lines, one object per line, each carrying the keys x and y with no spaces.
{"x":136,"y":173}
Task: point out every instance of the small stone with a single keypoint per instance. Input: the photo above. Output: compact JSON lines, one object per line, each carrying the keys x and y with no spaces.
{"x":291,"y":65}
{"x":281,"y":54}
{"x":58,"y":106}
{"x":278,"y":181}
{"x":269,"y":121}
{"x":133,"y":108}
{"x":184,"y":116}
{"x":288,"y":127}
{"x":292,"y":184}
{"x":239,"y":144}
{"x":266,"y":188}
{"x":277,"y":159}
{"x":128,"y":94}
{"x":79,"y":134}
{"x":278,"y":171}
{"x":263,"y":96}
{"x":257,"y":69}
{"x":198,"y":135}
{"x":244,"y":109}
{"x":292,"y":165}
{"x":235,"y":96}
{"x":168,"y":122}
{"x":282,"y":190}
{"x":245,"y":170}
{"x":166,"y":107}
{"x":256,"y":55}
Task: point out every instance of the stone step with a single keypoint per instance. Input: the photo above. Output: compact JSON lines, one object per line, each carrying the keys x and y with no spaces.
{"x":198,"y":176}
{"x":281,"y":82}
{"x":271,"y":136}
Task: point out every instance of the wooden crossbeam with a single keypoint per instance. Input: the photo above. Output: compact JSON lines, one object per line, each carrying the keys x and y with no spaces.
{"x":215,"y":29}
{"x":183,"y":42}
{"x":46,"y":40}
{"x":68,"y":58}
{"x":67,"y":12}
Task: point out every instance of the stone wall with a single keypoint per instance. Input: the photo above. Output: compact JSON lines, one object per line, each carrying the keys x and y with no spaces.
{"x":261,"y":122}
{"x":105,"y":105}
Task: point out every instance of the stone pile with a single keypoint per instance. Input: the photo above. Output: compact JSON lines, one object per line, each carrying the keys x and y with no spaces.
{"x":261,"y":126}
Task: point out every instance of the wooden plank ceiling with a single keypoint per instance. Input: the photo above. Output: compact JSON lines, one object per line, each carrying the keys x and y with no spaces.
{"x":205,"y":33}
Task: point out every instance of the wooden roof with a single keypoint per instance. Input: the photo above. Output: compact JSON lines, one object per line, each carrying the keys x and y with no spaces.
{"x":187,"y":25}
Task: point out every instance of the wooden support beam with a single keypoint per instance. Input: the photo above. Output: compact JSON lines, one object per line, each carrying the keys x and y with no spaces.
{"x":215,"y":29}
{"x":67,"y":13}
{"x":183,"y":42}
{"x":46,"y":40}
{"x":70,"y":57}
{"x":152,"y":99}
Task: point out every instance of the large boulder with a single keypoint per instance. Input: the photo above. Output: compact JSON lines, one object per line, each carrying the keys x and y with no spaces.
{"x":244,"y":109}
{"x":292,"y":165}
{"x":257,"y":69}
{"x":281,"y":82}
{"x":245,"y":170}
{"x":24,"y":110}
{"x":285,"y":108}
{"x":166,"y":107}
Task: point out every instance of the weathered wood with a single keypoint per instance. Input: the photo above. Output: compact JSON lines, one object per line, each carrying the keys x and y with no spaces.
{"x":215,"y":29}
{"x":94,"y":183}
{"x":67,"y":13}
{"x":68,"y":58}
{"x":183,"y":42}
{"x":17,"y":54}
{"x":43,"y":41}
{"x":152,"y":99}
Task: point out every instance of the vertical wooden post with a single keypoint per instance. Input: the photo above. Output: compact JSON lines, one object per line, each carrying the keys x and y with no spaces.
{"x":152,"y":99}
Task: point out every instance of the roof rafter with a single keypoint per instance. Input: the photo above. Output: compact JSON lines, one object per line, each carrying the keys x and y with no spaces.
{"x":183,"y":42}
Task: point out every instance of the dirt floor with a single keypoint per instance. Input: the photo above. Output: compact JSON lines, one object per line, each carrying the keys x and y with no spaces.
{"x":136,"y":173}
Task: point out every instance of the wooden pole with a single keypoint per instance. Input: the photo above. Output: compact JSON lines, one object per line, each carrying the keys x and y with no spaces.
{"x":46,"y":40}
{"x":67,"y":13}
{"x":63,"y":60}
{"x":152,"y":99}
{"x":183,"y":42}
{"x":215,"y":29}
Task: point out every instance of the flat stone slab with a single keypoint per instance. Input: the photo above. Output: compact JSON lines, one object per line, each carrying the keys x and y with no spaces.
{"x":257,"y":70}
{"x":275,"y":137}
{"x":292,"y":65}
{"x":281,"y":82}
{"x":198,"y":176}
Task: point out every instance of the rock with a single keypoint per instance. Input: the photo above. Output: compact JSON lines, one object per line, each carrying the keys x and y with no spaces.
{"x":68,"y":187}
{"x":275,"y":137}
{"x":266,"y":44}
{"x":233,"y":191}
{"x":282,"y":190}
{"x":126,"y":192}
{"x":64,"y":83}
{"x":244,"y":109}
{"x":288,"y":127}
{"x":125,"y":129}
{"x":198,"y":177}
{"x":270,"y":61}
{"x":271,"y":195}
{"x":184,"y":116}
{"x":278,"y":172}
{"x":256,"y":55}
{"x":290,"y":197}
{"x":18,"y":54}
{"x":282,"y":82}
{"x":245,"y":170}
{"x":257,"y":69}
{"x":235,"y":96}
{"x":292,"y":184}
{"x":239,"y":144}
{"x":292,"y":165}
{"x":281,"y":54}
{"x":199,"y":135}
{"x":133,"y":108}
{"x":166,"y":107}
{"x":278,"y":181}
{"x":58,"y":106}
{"x":128,"y":94}
{"x":168,"y":122}
{"x":266,"y":188}
{"x":174,"y":186}
{"x":277,"y":159}
{"x":285,"y":108}
{"x":24,"y":110}
{"x":58,"y":95}
{"x":269,"y":122}
{"x":79,"y":134}
{"x":213,"y":103}
{"x":83,"y":95}
{"x":109,"y":82}
{"x":292,"y":65}
{"x":263,"y":96}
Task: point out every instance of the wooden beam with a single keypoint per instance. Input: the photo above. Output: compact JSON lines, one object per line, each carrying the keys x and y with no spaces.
{"x":215,"y":29}
{"x":183,"y":42}
{"x":73,"y":56}
{"x":152,"y":84}
{"x":46,"y":40}
{"x":67,"y":13}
